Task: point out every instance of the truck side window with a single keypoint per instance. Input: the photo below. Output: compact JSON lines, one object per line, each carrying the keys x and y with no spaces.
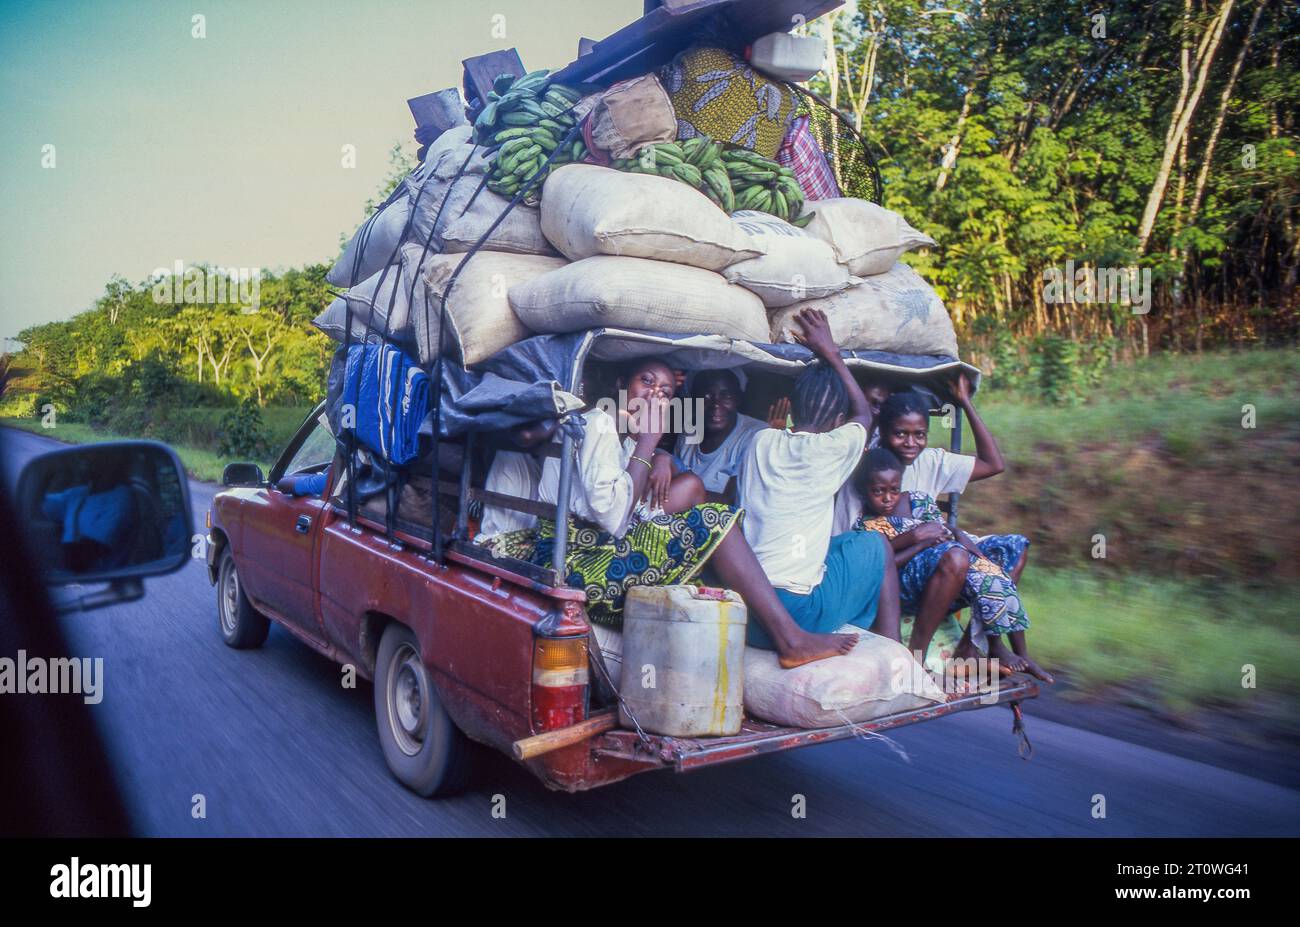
{"x":315,"y":453}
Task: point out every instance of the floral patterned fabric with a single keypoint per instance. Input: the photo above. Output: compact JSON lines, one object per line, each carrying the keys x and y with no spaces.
{"x":656,"y":550}
{"x":989,"y":590}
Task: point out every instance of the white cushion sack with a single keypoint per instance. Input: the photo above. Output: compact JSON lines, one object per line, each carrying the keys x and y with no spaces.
{"x":896,"y":311}
{"x":878,"y":677}
{"x":636,"y":293}
{"x":589,"y":210}
{"x":479,"y":316}
{"x":796,"y":266}
{"x":866,"y":238}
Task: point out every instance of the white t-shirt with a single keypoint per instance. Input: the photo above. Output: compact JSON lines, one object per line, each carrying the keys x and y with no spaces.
{"x":936,"y":471}
{"x":601,"y":491}
{"x":717,"y":468}
{"x":848,"y":506}
{"x":788,"y":481}
{"x":512,"y":474}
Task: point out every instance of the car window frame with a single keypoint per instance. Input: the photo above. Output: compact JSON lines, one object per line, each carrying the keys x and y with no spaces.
{"x":309,"y":425}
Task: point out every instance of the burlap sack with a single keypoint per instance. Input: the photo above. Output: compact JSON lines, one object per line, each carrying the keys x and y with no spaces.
{"x":866,"y":238}
{"x":479,"y":316}
{"x":458,"y":212}
{"x":640,"y":294}
{"x":333,"y":321}
{"x":589,"y":210}
{"x":897,"y":312}
{"x":373,"y":245}
{"x":632,"y":114}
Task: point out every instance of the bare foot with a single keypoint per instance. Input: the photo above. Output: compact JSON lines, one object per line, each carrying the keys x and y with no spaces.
{"x":1009,"y":663}
{"x":943,"y":686}
{"x":1033,"y":669}
{"x":812,"y":647}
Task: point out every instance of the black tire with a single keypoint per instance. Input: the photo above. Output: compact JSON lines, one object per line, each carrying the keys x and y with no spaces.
{"x":421,"y":744}
{"x":241,"y":626}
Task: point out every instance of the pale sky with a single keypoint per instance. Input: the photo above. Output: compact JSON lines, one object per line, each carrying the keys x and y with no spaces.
{"x":225,"y":149}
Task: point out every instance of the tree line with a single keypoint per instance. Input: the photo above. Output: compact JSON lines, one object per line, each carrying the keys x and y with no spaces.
{"x":1028,"y":137}
{"x":1025,"y":134}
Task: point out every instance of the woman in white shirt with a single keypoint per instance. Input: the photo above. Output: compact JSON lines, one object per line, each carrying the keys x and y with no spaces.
{"x":905,"y":430}
{"x":616,"y":540}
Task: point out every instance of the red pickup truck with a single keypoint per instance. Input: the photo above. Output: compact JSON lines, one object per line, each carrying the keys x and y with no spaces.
{"x":464,"y":647}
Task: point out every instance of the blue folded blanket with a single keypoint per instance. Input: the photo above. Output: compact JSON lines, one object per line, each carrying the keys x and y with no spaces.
{"x":391,"y":396}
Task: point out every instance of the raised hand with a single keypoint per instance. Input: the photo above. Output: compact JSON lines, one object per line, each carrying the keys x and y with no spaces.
{"x":778,"y":414}
{"x":961,"y":388}
{"x":816,"y":333}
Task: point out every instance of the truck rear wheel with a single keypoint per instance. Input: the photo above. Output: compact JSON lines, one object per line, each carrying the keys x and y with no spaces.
{"x":421,"y":744}
{"x":242,"y":626}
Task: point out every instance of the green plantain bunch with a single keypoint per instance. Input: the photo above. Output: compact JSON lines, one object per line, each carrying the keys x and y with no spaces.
{"x":762,"y":184}
{"x":734,"y":178}
{"x":525,"y":120}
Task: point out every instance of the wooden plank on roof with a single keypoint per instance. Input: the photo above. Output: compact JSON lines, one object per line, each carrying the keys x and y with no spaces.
{"x":482,"y":70}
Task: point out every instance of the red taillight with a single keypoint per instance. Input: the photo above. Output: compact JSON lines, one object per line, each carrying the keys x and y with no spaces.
{"x":559,"y":682}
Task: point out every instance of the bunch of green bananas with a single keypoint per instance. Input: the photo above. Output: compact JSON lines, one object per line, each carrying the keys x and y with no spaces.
{"x":525,"y":120}
{"x":760,"y":183}
{"x":696,"y":162}
{"x":734,"y":178}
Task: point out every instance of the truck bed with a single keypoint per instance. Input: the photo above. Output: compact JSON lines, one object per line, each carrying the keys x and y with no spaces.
{"x":758,"y":737}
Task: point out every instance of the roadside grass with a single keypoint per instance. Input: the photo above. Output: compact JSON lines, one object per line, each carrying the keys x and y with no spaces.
{"x":200,"y":463}
{"x":194,"y":432}
{"x":1192,"y":406}
{"x":1166,"y":644}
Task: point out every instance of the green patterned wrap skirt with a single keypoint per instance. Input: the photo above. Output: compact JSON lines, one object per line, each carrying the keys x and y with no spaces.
{"x":660,"y":550}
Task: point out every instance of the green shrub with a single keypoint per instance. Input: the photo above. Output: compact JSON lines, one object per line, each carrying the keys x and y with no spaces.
{"x":1059,"y":374}
{"x":243,"y":434}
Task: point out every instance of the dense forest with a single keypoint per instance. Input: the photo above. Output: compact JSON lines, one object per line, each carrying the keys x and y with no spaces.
{"x":1027,"y":137}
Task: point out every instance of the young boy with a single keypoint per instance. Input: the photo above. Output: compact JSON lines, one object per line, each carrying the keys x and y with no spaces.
{"x":788,"y":481}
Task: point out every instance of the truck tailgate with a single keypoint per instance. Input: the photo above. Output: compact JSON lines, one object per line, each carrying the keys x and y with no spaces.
{"x":759,"y":737}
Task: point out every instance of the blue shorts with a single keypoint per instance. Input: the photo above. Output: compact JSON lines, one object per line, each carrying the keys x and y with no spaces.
{"x":847,"y":594}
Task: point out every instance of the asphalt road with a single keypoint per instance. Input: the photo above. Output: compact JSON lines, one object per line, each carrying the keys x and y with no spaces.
{"x":276,"y":746}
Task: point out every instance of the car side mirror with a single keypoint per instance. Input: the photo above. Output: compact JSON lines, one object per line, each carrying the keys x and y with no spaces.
{"x":114,"y":512}
{"x":242,"y":474}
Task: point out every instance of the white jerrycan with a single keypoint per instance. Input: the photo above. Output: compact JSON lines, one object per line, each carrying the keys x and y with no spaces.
{"x":683,"y":660}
